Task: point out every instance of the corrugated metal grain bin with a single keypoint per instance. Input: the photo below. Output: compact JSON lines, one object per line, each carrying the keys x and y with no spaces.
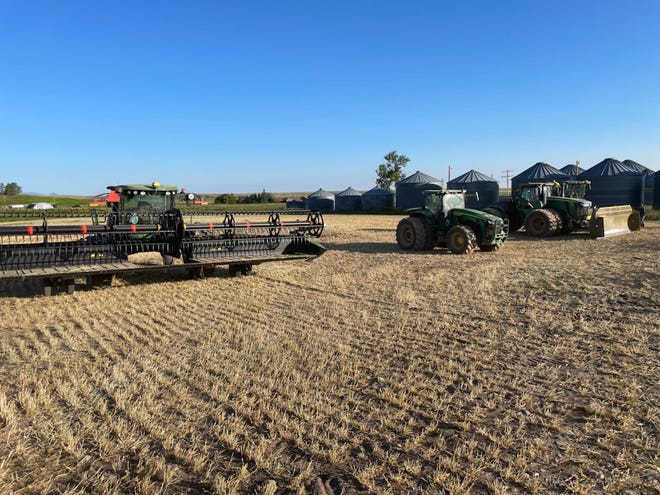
{"x":571,"y":170}
{"x":347,"y":200}
{"x":649,"y":179}
{"x":409,"y":190}
{"x":321,"y":201}
{"x":656,"y":191}
{"x":377,"y":199}
{"x":613,"y":183}
{"x":482,"y":190}
{"x":538,"y":172}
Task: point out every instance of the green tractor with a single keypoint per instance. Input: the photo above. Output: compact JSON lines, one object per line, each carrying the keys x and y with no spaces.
{"x":444,"y":221}
{"x":550,"y":208}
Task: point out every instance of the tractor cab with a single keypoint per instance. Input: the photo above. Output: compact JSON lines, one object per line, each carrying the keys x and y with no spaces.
{"x":444,"y":221}
{"x":141,"y":203}
{"x":442,"y":202}
{"x":533,"y":195}
{"x":575,"y":188}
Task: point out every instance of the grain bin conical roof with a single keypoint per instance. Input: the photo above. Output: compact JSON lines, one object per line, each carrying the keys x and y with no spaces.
{"x":377,"y":199}
{"x":636,"y":166}
{"x":348,"y":199}
{"x":483,"y":190}
{"x":377,"y":191}
{"x":321,"y":193}
{"x":607,"y":168}
{"x":572,"y":170}
{"x":613,"y":183}
{"x":540,"y":170}
{"x":349,"y":191}
{"x":418,"y":178}
{"x":471,"y":176}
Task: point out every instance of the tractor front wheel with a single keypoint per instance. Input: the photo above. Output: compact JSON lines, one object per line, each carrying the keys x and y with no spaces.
{"x":461,"y":239}
{"x":412,"y":234}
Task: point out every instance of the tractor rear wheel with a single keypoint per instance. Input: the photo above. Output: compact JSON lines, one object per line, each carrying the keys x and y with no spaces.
{"x":541,"y":223}
{"x":461,"y":239}
{"x":412,"y":234}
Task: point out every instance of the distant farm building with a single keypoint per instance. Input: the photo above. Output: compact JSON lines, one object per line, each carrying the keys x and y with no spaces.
{"x":297,"y":203}
{"x":482,"y":190}
{"x":321,"y":200}
{"x":348,"y":200}
{"x":649,"y":180}
{"x":409,"y":190}
{"x":572,"y":170}
{"x":614,"y":183}
{"x":538,"y":172}
{"x":377,"y":199}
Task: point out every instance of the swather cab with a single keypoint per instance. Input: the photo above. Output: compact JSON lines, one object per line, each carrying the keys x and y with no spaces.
{"x":143,"y":218}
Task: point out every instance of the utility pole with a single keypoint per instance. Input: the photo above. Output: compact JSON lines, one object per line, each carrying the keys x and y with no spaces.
{"x":507,"y":175}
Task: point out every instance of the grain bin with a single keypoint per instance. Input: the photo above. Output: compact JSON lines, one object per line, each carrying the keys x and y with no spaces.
{"x":482,"y":190}
{"x":348,"y":200}
{"x":649,"y":179}
{"x":613,"y":183}
{"x":321,"y":200}
{"x":656,"y":191}
{"x":377,"y":199}
{"x":538,"y":172}
{"x":409,"y":190}
{"x":297,"y":204}
{"x":572,"y":170}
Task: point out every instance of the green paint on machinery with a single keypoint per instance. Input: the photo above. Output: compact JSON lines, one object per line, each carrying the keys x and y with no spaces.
{"x":551,"y":208}
{"x":444,"y":221}
{"x":142,"y":218}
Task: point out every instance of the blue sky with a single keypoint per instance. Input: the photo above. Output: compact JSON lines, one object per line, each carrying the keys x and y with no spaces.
{"x":295,"y":95}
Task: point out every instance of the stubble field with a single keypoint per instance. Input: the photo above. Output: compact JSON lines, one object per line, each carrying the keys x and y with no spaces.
{"x":369,"y":370}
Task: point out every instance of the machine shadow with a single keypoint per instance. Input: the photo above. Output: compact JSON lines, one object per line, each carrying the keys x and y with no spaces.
{"x":376,"y":248}
{"x":31,"y":288}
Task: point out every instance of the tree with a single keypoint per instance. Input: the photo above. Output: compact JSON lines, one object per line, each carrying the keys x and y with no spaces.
{"x":391,"y":171}
{"x":12,"y":189}
{"x":2,"y":188}
{"x":227,"y":199}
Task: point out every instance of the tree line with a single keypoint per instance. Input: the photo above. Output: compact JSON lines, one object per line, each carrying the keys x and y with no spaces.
{"x":10,"y":189}
{"x":262,"y":197}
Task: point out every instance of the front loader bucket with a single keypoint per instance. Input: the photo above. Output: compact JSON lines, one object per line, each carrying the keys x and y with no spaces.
{"x":614,"y":220}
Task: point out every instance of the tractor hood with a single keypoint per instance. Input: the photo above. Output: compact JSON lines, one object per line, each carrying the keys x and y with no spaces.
{"x":470,"y":213}
{"x":577,"y":201}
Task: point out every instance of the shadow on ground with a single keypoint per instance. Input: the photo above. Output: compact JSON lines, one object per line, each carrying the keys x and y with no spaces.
{"x":376,"y":248}
{"x":29,"y":288}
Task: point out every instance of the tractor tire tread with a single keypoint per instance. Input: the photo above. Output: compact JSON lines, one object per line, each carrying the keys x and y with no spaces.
{"x":412,"y":234}
{"x":469,"y":239}
{"x":541,"y":223}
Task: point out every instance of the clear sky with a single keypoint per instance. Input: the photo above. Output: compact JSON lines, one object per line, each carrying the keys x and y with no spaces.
{"x":240,"y":96}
